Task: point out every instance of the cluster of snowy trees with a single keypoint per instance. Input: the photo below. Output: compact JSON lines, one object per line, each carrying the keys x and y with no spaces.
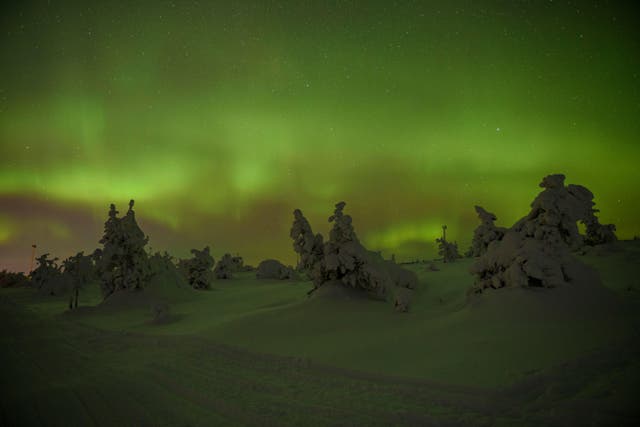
{"x":535,"y":251}
{"x":538,"y":249}
{"x":344,"y":261}
{"x":11,"y":279}
{"x":122,"y":264}
{"x":68,"y":277}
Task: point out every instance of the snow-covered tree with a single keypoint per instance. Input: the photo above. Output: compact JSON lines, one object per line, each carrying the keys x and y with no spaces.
{"x":485,"y":233}
{"x":198,"y":270}
{"x":46,"y":271}
{"x":123,"y":263}
{"x":225,"y":267}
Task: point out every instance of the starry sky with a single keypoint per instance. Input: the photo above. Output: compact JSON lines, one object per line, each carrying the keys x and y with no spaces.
{"x":220,"y":118}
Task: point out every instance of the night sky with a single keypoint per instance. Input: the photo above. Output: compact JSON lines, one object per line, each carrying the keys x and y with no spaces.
{"x":220,"y":118}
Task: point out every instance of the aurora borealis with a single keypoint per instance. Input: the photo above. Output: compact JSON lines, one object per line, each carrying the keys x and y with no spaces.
{"x":220,"y":118}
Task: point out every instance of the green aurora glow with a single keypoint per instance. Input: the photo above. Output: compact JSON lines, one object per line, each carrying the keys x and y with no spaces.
{"x":220,"y":119}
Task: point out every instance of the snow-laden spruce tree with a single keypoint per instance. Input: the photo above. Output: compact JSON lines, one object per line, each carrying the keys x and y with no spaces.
{"x":199,"y":269}
{"x":308,"y":246}
{"x":485,"y":233}
{"x":123,"y":263}
{"x":225,"y":267}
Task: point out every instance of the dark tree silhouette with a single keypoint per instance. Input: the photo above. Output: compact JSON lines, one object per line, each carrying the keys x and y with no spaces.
{"x":123,"y":262}
{"x":447,"y":250}
{"x":225,"y":267}
{"x":10,"y":279}
{"x":46,"y":272}
{"x":80,"y":271}
{"x":198,"y":270}
{"x":309,"y":247}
